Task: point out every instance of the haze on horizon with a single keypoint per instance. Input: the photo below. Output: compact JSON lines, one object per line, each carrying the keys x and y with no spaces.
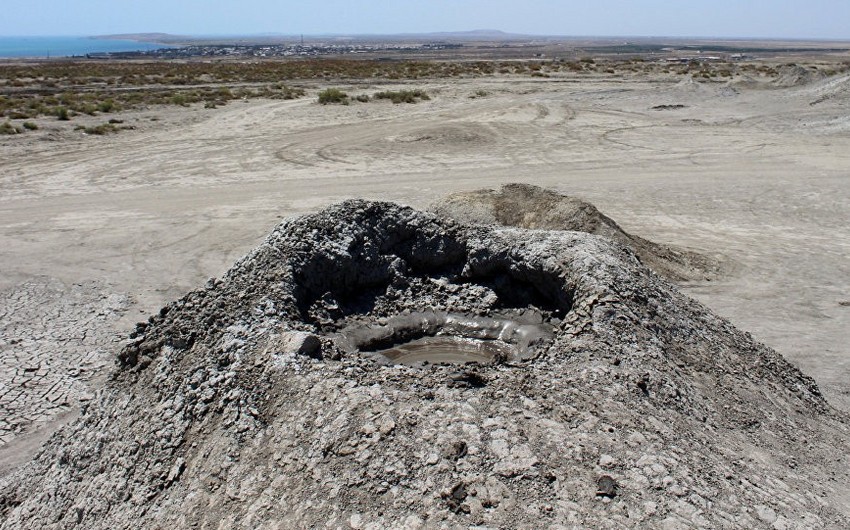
{"x":775,"y":19}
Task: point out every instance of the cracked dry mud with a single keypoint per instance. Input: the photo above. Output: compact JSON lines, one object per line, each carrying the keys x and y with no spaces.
{"x":236,"y":407}
{"x":54,"y":340}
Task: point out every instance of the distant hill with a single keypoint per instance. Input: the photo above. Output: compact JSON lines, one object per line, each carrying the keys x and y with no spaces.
{"x":157,"y":38}
{"x":478,"y":34}
{"x":166,"y":38}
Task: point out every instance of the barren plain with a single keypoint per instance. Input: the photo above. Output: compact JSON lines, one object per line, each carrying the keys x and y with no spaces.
{"x":98,"y":232}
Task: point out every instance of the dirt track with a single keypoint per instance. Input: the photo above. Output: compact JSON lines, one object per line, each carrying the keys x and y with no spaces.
{"x":758,"y":177}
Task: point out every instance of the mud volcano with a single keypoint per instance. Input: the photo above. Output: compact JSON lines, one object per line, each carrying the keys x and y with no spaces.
{"x":527,"y":206}
{"x":598,"y":396}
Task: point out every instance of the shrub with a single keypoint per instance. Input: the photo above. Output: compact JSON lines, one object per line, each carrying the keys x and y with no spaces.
{"x":403,"y":96}
{"x":7,"y":128}
{"x":106,"y":106}
{"x":287,"y":92}
{"x":333,"y":95}
{"x":101,"y":129}
{"x":62,"y":114}
{"x":30,"y":126}
{"x":87,"y":108}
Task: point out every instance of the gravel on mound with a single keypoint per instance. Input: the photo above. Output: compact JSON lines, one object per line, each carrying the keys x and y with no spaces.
{"x":527,"y":206}
{"x":236,"y":407}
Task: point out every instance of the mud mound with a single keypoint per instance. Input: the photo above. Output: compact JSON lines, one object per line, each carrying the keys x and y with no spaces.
{"x":527,"y":206}
{"x":795,"y":75}
{"x":836,"y":89}
{"x":240,"y":406}
{"x":744,"y":81}
{"x":689,"y":83}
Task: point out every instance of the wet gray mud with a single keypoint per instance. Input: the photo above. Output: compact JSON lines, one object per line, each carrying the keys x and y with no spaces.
{"x":439,"y":337}
{"x":445,"y":350}
{"x":257,"y":401}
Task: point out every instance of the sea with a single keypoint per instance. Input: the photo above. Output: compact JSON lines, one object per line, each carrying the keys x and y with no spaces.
{"x":67,"y":46}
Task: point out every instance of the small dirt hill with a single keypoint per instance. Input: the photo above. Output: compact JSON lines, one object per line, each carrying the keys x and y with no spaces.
{"x":796,"y":75}
{"x":527,"y":206}
{"x":235,"y":407}
{"x":835,"y":89}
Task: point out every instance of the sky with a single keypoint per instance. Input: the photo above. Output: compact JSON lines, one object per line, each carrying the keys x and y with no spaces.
{"x":799,"y":19}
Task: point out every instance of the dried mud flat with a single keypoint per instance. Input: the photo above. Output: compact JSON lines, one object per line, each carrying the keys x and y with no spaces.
{"x":110,"y":229}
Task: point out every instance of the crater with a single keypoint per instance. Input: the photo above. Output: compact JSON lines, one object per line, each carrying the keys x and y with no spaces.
{"x":376,"y":276}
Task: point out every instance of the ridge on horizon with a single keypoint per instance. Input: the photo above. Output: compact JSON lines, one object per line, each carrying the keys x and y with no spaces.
{"x":493,"y":34}
{"x":469,"y":33}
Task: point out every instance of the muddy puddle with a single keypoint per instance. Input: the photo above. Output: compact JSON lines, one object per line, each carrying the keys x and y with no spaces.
{"x":434,"y":337}
{"x":446,"y":350}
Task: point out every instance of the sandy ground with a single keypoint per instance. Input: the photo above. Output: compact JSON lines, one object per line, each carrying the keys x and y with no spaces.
{"x":98,"y":232}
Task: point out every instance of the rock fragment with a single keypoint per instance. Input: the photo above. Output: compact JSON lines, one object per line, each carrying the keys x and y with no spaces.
{"x":606,"y":486}
{"x":298,"y":343}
